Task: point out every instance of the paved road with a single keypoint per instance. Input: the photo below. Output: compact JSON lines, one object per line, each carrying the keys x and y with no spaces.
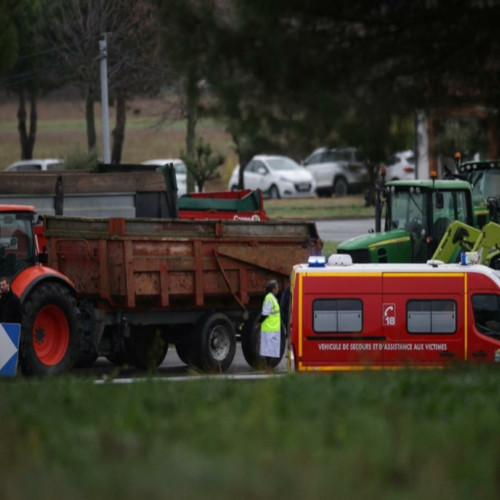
{"x":343,"y":229}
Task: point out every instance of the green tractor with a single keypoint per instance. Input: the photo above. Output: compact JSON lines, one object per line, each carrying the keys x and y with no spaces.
{"x":417,"y":214}
{"x":484,"y":178}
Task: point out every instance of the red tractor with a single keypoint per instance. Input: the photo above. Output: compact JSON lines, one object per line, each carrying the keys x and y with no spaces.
{"x":50,"y":329}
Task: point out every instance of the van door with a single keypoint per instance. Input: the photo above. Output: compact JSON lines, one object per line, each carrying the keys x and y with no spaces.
{"x":337,"y":330}
{"x":423,"y":319}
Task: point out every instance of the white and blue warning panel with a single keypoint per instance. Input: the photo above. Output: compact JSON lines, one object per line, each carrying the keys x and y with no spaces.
{"x":10,"y":334}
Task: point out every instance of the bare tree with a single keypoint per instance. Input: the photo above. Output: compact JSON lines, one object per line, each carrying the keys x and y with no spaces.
{"x":76,"y":28}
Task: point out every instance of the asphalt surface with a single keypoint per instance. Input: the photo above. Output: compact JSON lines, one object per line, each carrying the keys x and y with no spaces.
{"x":342,"y":229}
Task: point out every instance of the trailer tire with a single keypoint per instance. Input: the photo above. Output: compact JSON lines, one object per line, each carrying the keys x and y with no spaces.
{"x":148,"y":347}
{"x":250,"y":344}
{"x":186,"y":348}
{"x":50,"y":330}
{"x":216,"y":343}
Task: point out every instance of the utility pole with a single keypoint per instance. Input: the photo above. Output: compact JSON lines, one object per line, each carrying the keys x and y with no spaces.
{"x":103,"y":54}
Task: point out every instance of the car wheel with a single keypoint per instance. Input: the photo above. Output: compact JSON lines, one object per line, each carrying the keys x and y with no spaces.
{"x":340,"y":187}
{"x":234,"y":187}
{"x":274,"y":192}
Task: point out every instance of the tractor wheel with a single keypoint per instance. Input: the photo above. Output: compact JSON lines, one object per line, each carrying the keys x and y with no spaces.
{"x":216,"y":343}
{"x":250,"y":344}
{"x":50,"y":331}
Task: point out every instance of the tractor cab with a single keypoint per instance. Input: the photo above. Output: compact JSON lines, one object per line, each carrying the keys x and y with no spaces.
{"x":17,"y":242}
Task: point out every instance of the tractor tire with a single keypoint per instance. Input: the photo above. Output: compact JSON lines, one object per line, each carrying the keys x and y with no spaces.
{"x":50,"y":331}
{"x":250,"y":344}
{"x":216,"y":343}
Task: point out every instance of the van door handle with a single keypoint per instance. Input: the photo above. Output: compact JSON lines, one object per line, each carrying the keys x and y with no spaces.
{"x":479,"y":354}
{"x":447,"y":354}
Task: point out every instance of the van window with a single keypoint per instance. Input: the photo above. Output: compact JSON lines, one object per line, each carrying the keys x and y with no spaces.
{"x":337,"y":315}
{"x":431,"y":316}
{"x":486,"y":309}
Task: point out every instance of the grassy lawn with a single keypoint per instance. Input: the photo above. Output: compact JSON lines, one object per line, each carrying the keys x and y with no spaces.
{"x":392,"y":435}
{"x":319,"y":208}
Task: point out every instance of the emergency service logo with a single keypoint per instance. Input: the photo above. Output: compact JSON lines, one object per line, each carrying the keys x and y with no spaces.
{"x":389,"y":314}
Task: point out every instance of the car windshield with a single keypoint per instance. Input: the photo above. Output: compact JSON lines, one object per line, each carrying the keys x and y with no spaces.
{"x":282,"y":164}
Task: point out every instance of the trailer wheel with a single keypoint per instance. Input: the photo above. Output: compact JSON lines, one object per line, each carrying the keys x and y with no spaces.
{"x":50,"y":331}
{"x":148,"y":347}
{"x":250,"y":344}
{"x":186,"y":349}
{"x":216,"y":343}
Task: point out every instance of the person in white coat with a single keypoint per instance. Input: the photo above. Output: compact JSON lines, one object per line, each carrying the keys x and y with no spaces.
{"x":270,"y":320}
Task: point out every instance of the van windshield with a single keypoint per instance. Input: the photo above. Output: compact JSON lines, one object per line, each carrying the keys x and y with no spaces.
{"x":486,"y":309}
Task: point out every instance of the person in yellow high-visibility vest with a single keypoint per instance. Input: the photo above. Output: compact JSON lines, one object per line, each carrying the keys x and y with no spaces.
{"x":270,"y":319}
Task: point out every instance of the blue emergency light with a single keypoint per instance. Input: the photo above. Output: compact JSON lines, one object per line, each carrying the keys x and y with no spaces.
{"x":316,"y":261}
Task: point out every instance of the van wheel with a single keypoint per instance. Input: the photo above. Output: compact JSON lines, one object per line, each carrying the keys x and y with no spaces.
{"x":216,"y":343}
{"x":340,"y":187}
{"x":250,"y":344}
{"x":50,"y":331}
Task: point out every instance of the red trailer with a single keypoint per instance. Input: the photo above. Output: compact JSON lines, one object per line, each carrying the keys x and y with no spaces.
{"x":243,"y":204}
{"x":145,"y":283}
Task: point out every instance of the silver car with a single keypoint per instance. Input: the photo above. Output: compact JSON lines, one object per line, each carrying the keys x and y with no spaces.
{"x":277,"y":176}
{"x":180,"y":171}
{"x":36,"y":165}
{"x":337,"y":171}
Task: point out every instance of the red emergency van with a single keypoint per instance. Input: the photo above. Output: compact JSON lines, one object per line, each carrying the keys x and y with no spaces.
{"x":348,"y":316}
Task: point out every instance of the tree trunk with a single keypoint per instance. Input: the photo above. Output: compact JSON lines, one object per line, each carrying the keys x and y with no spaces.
{"x":192,"y":96}
{"x":119,"y":130}
{"x":90,"y":120}
{"x":26,"y":139}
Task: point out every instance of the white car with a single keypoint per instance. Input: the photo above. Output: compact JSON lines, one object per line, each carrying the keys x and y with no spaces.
{"x":337,"y":171}
{"x":400,"y":166}
{"x":180,"y":171}
{"x":277,"y":176}
{"x":36,"y":165}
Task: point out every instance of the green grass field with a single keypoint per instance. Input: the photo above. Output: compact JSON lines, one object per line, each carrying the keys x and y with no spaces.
{"x":391,"y":435}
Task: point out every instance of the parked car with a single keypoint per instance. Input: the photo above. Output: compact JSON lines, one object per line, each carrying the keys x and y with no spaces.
{"x":277,"y":176}
{"x":180,"y":171}
{"x":400,"y":166}
{"x":36,"y":165}
{"x":337,"y":171}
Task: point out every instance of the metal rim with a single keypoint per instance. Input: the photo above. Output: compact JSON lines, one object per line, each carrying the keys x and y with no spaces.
{"x":50,"y":335}
{"x":219,"y":343}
